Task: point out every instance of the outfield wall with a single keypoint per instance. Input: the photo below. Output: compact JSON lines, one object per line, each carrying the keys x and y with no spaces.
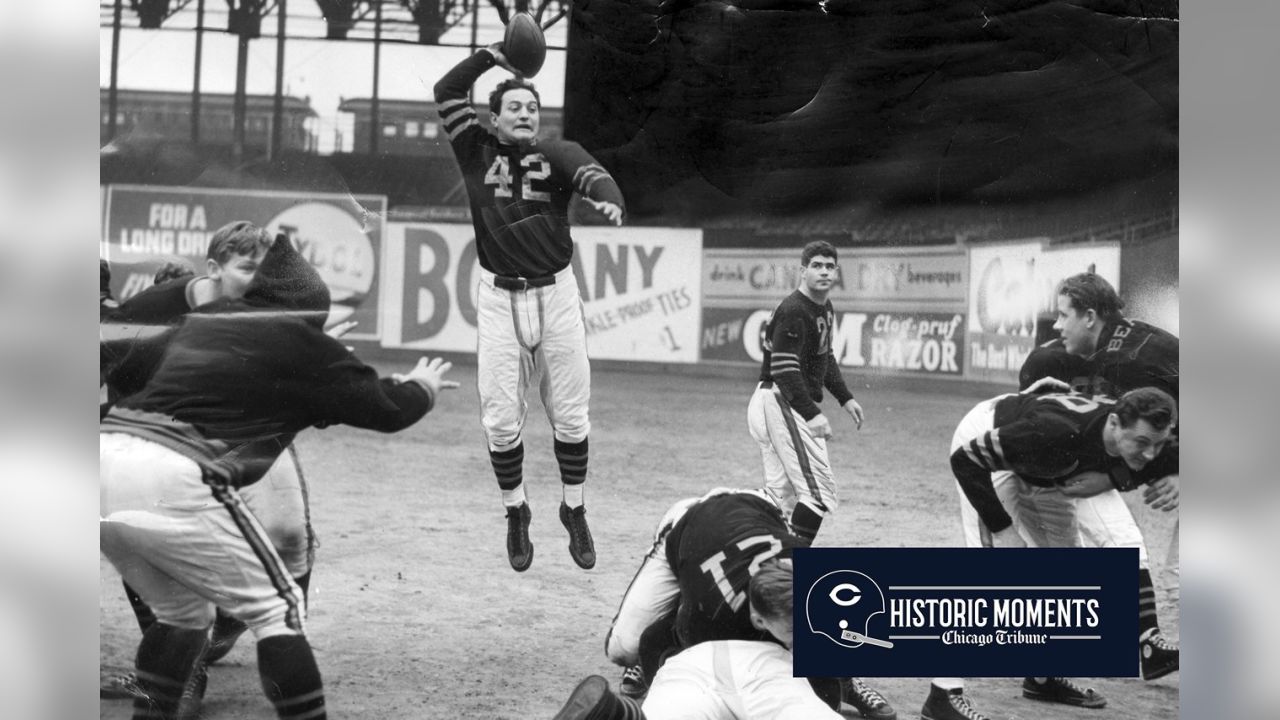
{"x":652,"y":295}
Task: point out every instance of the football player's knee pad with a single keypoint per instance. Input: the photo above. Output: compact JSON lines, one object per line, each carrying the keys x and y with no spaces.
{"x":503,"y":438}
{"x":193,"y":614}
{"x":622,"y":649}
{"x":572,"y":430}
{"x":272,"y":615}
{"x":274,"y":629}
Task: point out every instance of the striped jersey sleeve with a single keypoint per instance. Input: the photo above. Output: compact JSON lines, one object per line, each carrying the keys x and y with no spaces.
{"x":583,"y":172}
{"x":452,"y":99}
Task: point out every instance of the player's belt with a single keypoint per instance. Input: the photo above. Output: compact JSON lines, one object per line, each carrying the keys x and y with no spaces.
{"x":507,"y":282}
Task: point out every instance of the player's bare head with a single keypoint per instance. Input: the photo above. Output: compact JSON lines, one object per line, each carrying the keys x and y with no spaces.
{"x":238,"y":238}
{"x":234,"y":254}
{"x":770,"y":596}
{"x":770,"y":591}
{"x":514,"y":106}
{"x":1090,"y":291}
{"x":1154,"y":405}
{"x":818,"y":248}
{"x":1140,"y":426}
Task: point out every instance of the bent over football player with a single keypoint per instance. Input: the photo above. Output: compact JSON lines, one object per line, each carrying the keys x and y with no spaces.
{"x":280,"y":499}
{"x":691,"y":588}
{"x":529,"y":311}
{"x":1101,"y":352}
{"x":218,"y":399}
{"x":721,"y":679}
{"x":783,"y":415}
{"x":1013,"y":455}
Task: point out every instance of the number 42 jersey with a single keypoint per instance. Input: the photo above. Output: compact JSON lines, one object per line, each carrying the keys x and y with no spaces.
{"x":519,"y":194}
{"x":714,"y":549}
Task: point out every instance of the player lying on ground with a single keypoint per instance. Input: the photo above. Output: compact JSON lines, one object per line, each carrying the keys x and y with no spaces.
{"x":219,"y":398}
{"x":529,"y":312}
{"x":721,"y":679}
{"x":692,"y":588}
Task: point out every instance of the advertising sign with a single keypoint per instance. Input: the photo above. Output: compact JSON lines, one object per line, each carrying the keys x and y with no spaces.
{"x":925,"y":343}
{"x":1013,"y":285}
{"x":747,"y":276}
{"x":341,"y":235}
{"x":639,"y":286}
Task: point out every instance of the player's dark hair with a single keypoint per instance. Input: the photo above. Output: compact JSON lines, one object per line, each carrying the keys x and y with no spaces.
{"x":1147,"y":403}
{"x":515,"y":83}
{"x":1090,"y":291}
{"x":240,"y":237}
{"x":818,"y":248}
{"x":770,"y":589}
{"x":172,"y":270}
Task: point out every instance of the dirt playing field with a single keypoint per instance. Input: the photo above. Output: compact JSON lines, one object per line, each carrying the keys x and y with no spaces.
{"x":415,"y":612}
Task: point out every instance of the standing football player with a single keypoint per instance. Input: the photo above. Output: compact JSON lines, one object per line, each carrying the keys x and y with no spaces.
{"x":783,"y":415}
{"x":529,"y":309}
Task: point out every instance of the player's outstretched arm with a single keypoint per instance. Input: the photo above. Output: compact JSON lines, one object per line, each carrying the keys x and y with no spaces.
{"x":430,"y":374}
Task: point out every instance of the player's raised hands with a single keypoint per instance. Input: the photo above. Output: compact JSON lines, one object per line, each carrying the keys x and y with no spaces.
{"x":820,"y":426}
{"x":855,"y":411}
{"x":499,"y":57}
{"x":430,"y":373}
{"x":1163,"y":493}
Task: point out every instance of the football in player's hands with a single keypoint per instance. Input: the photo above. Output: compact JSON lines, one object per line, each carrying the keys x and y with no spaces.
{"x":524,"y":45}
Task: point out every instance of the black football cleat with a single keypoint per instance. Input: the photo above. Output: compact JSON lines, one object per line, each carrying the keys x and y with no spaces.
{"x":519,"y":547}
{"x":581,"y":547}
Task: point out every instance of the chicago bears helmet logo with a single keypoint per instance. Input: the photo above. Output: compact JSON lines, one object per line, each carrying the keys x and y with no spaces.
{"x":840,"y":606}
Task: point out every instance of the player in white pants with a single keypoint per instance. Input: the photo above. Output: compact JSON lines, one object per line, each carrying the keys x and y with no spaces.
{"x":529,"y":311}
{"x":721,"y":679}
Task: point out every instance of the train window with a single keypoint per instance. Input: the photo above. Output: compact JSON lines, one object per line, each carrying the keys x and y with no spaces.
{"x":430,"y":130}
{"x":389,"y":130}
{"x":411,"y":128}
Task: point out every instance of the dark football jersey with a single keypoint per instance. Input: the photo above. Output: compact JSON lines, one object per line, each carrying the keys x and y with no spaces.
{"x":797,"y":353}
{"x":161,"y":304}
{"x":1131,"y":354}
{"x":1044,"y":439}
{"x":714,"y":549}
{"x":519,"y":195}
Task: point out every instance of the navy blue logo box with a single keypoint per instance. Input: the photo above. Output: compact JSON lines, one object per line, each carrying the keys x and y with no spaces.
{"x":966,"y":612}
